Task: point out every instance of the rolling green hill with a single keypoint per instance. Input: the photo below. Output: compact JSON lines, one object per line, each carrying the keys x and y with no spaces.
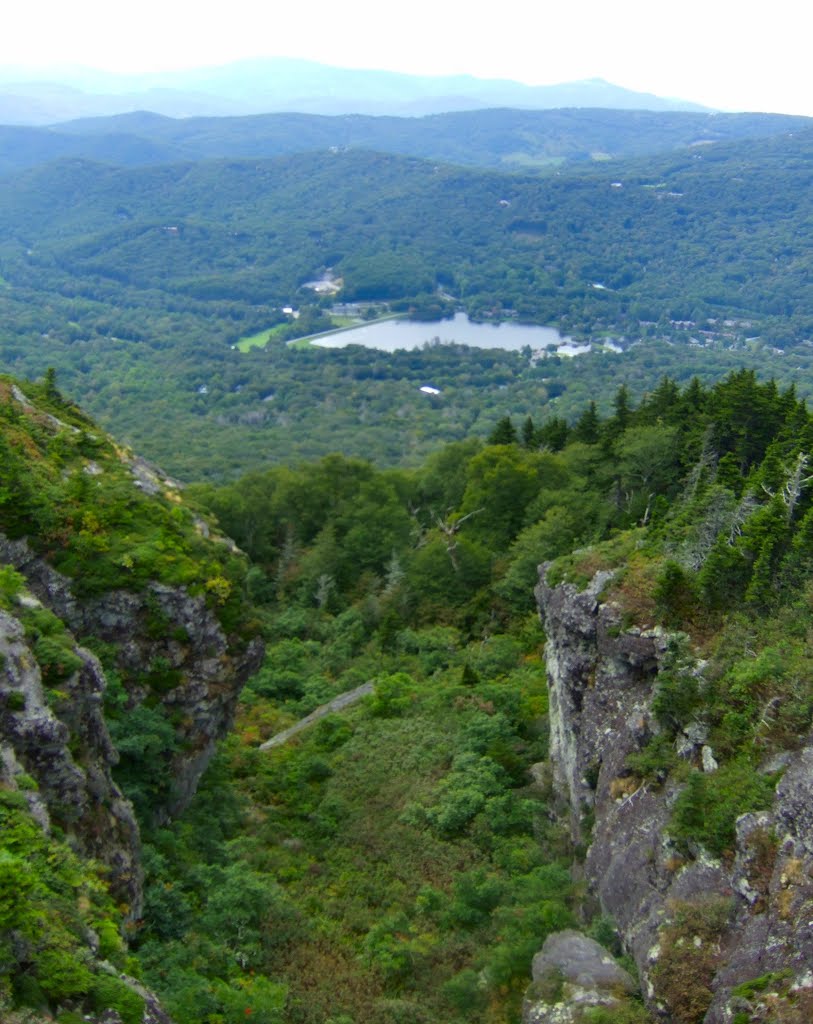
{"x":134,"y":283}
{"x":500,"y":138}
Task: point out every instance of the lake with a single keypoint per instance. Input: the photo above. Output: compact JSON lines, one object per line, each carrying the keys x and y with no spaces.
{"x":389,"y":335}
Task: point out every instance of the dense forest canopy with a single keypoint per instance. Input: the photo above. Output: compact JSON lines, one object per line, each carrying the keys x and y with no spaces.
{"x":508,"y":139}
{"x":420,"y":580}
{"x":402,"y":861}
{"x":698,"y":499}
{"x":135,"y":283}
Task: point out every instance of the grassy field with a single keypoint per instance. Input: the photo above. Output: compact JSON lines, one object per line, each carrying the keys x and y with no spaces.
{"x":258,"y":340}
{"x":262,"y":338}
{"x":343,"y":323}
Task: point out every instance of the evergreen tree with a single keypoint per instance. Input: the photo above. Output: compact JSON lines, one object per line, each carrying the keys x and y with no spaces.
{"x":662,"y":404}
{"x":529,"y":433}
{"x":49,"y":382}
{"x":694,"y":397}
{"x":504,"y":432}
{"x":553,"y":434}
{"x":621,"y":418}
{"x":587,"y":427}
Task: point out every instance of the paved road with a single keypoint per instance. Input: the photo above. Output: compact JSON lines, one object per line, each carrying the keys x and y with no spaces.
{"x":337,"y":704}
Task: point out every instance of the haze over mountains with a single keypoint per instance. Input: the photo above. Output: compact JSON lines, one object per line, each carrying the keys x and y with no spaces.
{"x":287,"y":84}
{"x":496,"y":138}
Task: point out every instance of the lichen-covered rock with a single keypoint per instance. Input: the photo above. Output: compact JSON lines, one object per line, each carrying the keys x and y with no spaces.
{"x":581,"y":961}
{"x":600,"y":682}
{"x":66,"y":750}
{"x":571,"y":974}
{"x":754,"y":914}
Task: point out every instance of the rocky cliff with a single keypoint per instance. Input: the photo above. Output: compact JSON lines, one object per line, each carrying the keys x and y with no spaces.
{"x":723,"y":941}
{"x":65,"y":748}
{"x":119,"y":608}
{"x":171,"y":651}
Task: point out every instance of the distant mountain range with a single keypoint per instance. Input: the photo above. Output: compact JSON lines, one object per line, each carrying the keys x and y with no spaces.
{"x":531,"y":140}
{"x":285,"y":84}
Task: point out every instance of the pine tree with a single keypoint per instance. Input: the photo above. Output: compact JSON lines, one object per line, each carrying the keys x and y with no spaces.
{"x":620,"y":421}
{"x":553,"y":434}
{"x":528,"y":433}
{"x":587,"y":428}
{"x":504,"y":432}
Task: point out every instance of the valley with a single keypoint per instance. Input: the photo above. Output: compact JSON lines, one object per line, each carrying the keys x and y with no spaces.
{"x":142,"y":282}
{"x":413,"y":659}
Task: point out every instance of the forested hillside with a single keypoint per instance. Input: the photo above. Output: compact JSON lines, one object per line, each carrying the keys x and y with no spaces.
{"x":135,"y":284}
{"x":510,"y":139}
{"x":397,"y":862}
{"x":568,"y":601}
{"x":677,"y":237}
{"x":423,"y":872}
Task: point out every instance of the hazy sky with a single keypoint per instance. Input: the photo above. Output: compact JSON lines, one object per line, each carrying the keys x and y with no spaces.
{"x":738,"y":56}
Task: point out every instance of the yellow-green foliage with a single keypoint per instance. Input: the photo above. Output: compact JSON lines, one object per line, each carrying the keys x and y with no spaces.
{"x":50,"y":901}
{"x":52,"y":644}
{"x":580,"y":567}
{"x":70,"y":491}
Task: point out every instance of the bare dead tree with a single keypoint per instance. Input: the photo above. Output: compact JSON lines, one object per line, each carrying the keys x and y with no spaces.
{"x":450,"y":529}
{"x":748,"y":504}
{"x":707,"y":463}
{"x":795,"y":484}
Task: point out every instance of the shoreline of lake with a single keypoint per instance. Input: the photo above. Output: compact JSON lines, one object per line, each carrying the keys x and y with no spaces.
{"x":392,"y":334}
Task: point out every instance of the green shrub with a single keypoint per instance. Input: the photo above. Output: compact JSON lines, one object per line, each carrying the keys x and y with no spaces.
{"x":655,"y":761}
{"x":109,"y":993}
{"x":11,"y":584}
{"x":707,"y":809}
{"x":56,"y":658}
{"x":110,"y":941}
{"x":466,"y":992}
{"x":675,"y":594}
{"x":392,"y":696}
{"x":677,"y":696}
{"x":15,"y":701}
{"x":62,"y":974}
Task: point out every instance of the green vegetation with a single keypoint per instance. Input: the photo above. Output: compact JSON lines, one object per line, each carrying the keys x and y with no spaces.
{"x":50,"y":900}
{"x":400,"y":834}
{"x":487,"y":138}
{"x":79,"y":500}
{"x":397,"y":849}
{"x":137,"y":288}
{"x":394,"y":862}
{"x":258,"y":340}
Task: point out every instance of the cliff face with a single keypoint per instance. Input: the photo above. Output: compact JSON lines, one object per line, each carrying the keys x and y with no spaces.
{"x":202,"y":671}
{"x":56,"y":757}
{"x":717,"y":941}
{"x":66,"y":750}
{"x":99,"y":553}
{"x":108,"y":545}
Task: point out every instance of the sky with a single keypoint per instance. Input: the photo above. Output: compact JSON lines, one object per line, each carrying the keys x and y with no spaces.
{"x":743,"y":56}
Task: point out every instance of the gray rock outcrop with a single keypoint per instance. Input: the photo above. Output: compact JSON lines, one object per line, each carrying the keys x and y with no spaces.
{"x":67,"y":751}
{"x":157,"y":626}
{"x":573,"y":973}
{"x":723,"y":924}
